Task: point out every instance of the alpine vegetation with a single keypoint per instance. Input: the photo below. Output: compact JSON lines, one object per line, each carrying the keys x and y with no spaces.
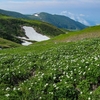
{"x":63,"y":71}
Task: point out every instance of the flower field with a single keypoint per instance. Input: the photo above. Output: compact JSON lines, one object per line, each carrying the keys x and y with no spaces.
{"x":66,"y":71}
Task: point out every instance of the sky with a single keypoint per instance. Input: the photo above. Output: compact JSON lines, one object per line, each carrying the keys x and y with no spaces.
{"x":84,"y":11}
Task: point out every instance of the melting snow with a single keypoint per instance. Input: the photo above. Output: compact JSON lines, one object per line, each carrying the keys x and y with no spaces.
{"x":26,"y":43}
{"x":32,"y":35}
{"x":36,"y":15}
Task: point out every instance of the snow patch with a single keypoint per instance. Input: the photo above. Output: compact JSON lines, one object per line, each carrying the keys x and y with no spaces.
{"x":23,"y":38}
{"x":36,"y":15}
{"x":33,"y":35}
{"x":26,"y":43}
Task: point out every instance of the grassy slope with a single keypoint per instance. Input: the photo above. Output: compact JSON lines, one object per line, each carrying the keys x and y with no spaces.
{"x":3,"y":42}
{"x":89,"y":32}
{"x":8,"y":44}
{"x":52,"y":70}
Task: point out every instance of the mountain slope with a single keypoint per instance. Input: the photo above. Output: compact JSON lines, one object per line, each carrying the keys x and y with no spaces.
{"x":11,"y":28}
{"x":8,"y":44}
{"x":58,"y":20}
{"x":90,"y":32}
{"x":13,"y":14}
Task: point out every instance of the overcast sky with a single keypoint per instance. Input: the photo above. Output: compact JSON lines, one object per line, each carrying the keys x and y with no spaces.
{"x":81,"y":10}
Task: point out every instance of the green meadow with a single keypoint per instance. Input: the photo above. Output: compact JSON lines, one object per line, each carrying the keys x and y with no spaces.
{"x":57,"y":69}
{"x":66,"y":67}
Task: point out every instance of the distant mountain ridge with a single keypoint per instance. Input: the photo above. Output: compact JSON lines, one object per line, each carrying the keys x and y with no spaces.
{"x":13,"y":14}
{"x":56,"y":20}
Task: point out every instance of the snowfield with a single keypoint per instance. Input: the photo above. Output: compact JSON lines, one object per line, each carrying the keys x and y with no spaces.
{"x":36,"y":15}
{"x":26,"y":43}
{"x":32,"y":35}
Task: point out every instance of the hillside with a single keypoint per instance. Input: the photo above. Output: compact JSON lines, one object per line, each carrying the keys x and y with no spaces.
{"x":58,"y":20}
{"x":7,"y":44}
{"x":11,"y":28}
{"x":90,"y":32}
{"x":55,"y":71}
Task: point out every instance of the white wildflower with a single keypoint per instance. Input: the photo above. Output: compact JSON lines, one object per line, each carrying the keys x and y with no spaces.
{"x":85,"y":66}
{"x":51,"y":93}
{"x":14,"y":88}
{"x":7,"y":95}
{"x":18,"y":88}
{"x":57,"y":88}
{"x":88,"y":68}
{"x":46,"y":84}
{"x":19,"y":72}
{"x":65,"y":82}
{"x":7,"y":88}
{"x":40,"y":98}
{"x":81,"y":92}
{"x":89,"y":98}
{"x":54,"y":77}
{"x":54,"y":85}
{"x":84,"y":73}
{"x":91,"y":92}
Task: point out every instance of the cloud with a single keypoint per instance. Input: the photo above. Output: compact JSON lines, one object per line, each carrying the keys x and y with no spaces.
{"x":69,"y":14}
{"x":81,"y":20}
{"x":48,"y":4}
{"x":29,"y":5}
{"x":75,"y":17}
{"x":82,"y":15}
